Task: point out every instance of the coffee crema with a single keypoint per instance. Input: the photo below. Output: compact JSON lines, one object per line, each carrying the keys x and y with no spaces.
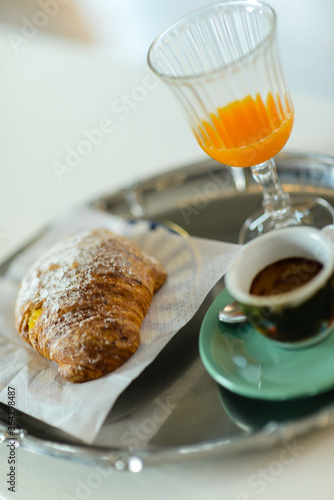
{"x":284,"y":276}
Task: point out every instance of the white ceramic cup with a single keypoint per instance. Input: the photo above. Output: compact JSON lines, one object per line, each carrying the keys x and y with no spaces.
{"x":302,"y":316}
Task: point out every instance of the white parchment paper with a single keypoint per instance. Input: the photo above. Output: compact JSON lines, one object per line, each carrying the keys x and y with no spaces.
{"x":193,"y":265}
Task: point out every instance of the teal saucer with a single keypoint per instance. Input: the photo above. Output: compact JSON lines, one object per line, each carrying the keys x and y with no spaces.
{"x":245,"y":362}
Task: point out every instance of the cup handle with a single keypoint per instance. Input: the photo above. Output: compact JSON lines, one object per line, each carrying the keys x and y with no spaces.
{"x":328,"y":232}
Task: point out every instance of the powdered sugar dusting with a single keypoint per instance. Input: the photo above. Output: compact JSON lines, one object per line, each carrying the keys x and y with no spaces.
{"x":69,"y":264}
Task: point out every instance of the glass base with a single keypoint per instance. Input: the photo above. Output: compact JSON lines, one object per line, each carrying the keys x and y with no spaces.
{"x":305,"y":211}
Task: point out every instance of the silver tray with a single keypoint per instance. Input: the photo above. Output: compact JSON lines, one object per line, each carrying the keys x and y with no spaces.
{"x":174,"y":410}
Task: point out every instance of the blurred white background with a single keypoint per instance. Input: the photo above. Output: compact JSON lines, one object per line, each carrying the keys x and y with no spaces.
{"x":126,"y":28}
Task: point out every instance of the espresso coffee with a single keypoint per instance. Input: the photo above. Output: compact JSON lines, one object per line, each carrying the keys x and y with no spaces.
{"x":284,"y":276}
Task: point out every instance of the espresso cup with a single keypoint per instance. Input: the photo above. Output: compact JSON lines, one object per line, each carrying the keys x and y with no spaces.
{"x":294,"y":319}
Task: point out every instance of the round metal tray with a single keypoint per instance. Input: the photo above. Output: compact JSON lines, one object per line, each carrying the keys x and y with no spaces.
{"x":174,"y":410}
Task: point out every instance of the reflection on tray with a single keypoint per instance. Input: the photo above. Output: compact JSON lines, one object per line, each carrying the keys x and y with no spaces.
{"x":252,"y":414}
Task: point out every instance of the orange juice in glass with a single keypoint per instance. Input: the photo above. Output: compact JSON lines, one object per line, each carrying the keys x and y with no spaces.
{"x":246,"y":132}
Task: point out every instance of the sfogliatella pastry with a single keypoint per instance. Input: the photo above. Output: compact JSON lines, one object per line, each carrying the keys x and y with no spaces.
{"x":82,"y":304}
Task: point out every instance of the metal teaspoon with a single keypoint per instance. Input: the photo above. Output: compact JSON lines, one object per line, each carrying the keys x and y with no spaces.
{"x":231,"y":314}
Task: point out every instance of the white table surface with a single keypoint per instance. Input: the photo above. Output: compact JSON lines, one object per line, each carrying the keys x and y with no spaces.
{"x":51,"y":92}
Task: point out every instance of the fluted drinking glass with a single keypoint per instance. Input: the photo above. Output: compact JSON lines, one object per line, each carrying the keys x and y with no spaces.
{"x":222,"y":64}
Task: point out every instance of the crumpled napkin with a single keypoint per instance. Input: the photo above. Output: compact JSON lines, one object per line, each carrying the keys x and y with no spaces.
{"x":194,"y":265}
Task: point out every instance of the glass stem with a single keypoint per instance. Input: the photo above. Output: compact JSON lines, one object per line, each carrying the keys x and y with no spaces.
{"x":276,"y":202}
